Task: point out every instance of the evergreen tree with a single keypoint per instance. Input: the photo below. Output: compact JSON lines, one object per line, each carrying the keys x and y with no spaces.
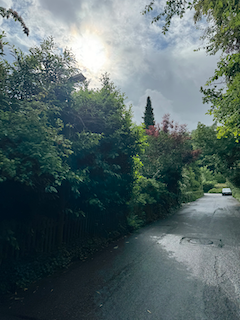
{"x":148,"y":114}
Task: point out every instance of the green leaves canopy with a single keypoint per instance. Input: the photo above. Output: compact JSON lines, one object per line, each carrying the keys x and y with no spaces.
{"x":78,"y":144}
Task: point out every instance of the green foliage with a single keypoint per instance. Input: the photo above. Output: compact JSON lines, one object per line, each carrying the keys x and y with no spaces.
{"x":165,"y":174}
{"x":110,"y":163}
{"x":215,"y":190}
{"x":148,"y":191}
{"x":221,"y":156}
{"x":149,"y":201}
{"x":134,"y":221}
{"x":43,"y":74}
{"x":220,"y":178}
{"x":224,"y":104}
{"x":191,"y":183}
{"x":31,"y":147}
{"x":169,"y":151}
{"x":148,"y":114}
{"x":191,"y":178}
{"x":221,"y":185}
{"x":72,"y":149}
{"x":208,"y":185}
{"x":205,"y":139}
{"x":235,"y":190}
{"x":69,"y":149}
{"x":207,"y":174}
{"x":190,"y":196}
{"x":222,"y":33}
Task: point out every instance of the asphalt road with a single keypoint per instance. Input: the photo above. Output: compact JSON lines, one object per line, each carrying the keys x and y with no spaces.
{"x":184,"y":267}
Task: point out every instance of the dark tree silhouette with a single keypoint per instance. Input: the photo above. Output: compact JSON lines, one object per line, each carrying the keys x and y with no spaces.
{"x":148,"y":114}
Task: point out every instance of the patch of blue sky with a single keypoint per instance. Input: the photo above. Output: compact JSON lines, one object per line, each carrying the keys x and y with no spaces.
{"x":13,"y":32}
{"x":159,"y":41}
{"x":154,"y":13}
{"x":22,"y":6}
{"x":161,"y":45}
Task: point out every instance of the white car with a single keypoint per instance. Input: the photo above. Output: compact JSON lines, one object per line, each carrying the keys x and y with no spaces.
{"x":226,"y":191}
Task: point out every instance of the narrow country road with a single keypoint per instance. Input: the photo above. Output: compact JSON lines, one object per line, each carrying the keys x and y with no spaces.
{"x":185,"y":267}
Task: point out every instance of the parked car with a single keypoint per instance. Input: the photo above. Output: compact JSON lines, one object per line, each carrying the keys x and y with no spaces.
{"x":226,"y":191}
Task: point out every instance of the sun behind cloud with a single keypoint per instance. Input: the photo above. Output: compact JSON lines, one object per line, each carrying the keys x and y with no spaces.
{"x":89,"y":49}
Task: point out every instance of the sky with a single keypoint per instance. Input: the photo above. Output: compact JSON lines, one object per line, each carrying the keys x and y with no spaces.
{"x":113,"y":36}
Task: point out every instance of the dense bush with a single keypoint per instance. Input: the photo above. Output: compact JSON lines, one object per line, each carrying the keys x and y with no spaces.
{"x":235,"y":190}
{"x":190,"y":196}
{"x":164,"y":175}
{"x":220,"y":178}
{"x":207,"y":185}
{"x":215,"y":190}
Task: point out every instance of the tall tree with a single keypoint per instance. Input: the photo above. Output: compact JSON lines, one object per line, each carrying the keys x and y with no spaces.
{"x":148,"y":114}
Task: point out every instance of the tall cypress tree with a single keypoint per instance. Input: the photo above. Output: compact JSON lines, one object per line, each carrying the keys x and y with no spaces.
{"x":148,"y":114}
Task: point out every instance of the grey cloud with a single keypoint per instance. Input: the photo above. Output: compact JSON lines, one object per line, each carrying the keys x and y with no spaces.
{"x":76,"y":11}
{"x":136,"y":60}
{"x":6,"y":3}
{"x":178,"y":79}
{"x":62,"y":9}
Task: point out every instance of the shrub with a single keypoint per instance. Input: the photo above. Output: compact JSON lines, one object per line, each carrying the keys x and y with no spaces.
{"x":207,"y":185}
{"x":235,"y":190}
{"x":215,"y":190}
{"x":191,"y":196}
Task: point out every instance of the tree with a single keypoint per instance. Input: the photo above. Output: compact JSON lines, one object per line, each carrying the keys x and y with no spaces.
{"x":33,"y":147}
{"x":77,"y":145}
{"x":110,"y":163}
{"x":225,"y":101}
{"x":169,"y":151}
{"x":148,"y":114}
{"x":42,"y":74}
{"x":217,"y":155}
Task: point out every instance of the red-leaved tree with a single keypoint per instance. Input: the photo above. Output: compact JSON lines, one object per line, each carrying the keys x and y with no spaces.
{"x":168,"y":152}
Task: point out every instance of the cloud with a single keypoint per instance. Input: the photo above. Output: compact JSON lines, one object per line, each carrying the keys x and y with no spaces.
{"x":160,"y":104}
{"x":62,"y":10}
{"x":113,"y":36}
{"x":6,"y":4}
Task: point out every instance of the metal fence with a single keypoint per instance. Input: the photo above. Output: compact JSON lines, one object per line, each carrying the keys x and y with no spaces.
{"x":44,"y":235}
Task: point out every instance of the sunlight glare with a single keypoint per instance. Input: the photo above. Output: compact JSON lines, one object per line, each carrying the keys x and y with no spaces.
{"x":89,"y":50}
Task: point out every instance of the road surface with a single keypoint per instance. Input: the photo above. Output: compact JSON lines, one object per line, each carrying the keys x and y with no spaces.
{"x":185,"y":267}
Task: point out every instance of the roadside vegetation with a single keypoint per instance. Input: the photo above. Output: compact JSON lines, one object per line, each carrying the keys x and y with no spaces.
{"x":219,"y":143}
{"x":76,"y":171}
